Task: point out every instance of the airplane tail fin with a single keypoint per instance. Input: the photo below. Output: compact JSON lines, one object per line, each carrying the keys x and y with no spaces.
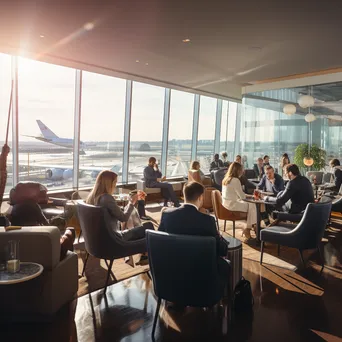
{"x":47,"y":133}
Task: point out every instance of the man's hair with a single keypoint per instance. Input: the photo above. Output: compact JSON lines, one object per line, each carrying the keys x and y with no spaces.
{"x":334,"y":162}
{"x":292,"y":168}
{"x":216,"y":155}
{"x":266,"y":156}
{"x":237,"y":156}
{"x":260,"y":159}
{"x":152,"y":160}
{"x":192,"y":191}
{"x":269,"y":167}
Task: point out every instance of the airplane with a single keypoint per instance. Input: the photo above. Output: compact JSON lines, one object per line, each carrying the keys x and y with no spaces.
{"x":49,"y":137}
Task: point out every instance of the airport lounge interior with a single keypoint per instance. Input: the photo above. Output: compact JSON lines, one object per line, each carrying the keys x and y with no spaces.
{"x":170,"y":171}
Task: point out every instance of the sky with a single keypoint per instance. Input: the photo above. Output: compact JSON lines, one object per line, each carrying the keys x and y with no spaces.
{"x":47,"y":92}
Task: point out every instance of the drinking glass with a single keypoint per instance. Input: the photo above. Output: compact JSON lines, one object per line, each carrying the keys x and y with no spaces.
{"x":13,"y":260}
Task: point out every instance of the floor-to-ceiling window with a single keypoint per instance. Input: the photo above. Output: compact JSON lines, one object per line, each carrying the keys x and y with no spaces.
{"x":228,"y":124}
{"x":180,"y":130}
{"x":206,"y":131}
{"x":102,"y":126}
{"x":5,"y":91}
{"x":146,"y":127}
{"x":46,"y":94}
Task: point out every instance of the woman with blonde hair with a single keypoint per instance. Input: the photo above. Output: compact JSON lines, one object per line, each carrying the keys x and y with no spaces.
{"x":285,"y":160}
{"x":232,"y":196}
{"x":102,"y":195}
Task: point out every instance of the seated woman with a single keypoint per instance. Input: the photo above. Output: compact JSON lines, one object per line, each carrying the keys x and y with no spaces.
{"x":195,"y":166}
{"x":102,"y":195}
{"x":232,"y":196}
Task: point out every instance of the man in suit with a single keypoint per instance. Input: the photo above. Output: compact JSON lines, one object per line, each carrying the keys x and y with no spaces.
{"x":189,"y":221}
{"x":337,"y":171}
{"x":216,"y":163}
{"x":271,"y":182}
{"x":259,"y":168}
{"x":298,"y":190}
{"x":153,"y":179}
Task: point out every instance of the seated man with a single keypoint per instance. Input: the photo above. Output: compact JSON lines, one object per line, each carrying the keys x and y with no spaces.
{"x":266,"y":160}
{"x":216,"y":163}
{"x":337,"y":171}
{"x":271,"y":182}
{"x":259,"y":168}
{"x":298,"y":190}
{"x":225,"y":159}
{"x":154,"y":179}
{"x":188,"y":220}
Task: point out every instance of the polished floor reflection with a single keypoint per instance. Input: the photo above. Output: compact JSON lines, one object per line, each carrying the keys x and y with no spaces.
{"x":291,"y":304}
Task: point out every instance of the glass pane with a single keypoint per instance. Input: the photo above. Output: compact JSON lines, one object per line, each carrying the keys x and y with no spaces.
{"x":146,"y":127}
{"x":46,"y":123}
{"x":180,"y":133}
{"x":5,"y":92}
{"x":206,"y":131}
{"x":102,"y":126}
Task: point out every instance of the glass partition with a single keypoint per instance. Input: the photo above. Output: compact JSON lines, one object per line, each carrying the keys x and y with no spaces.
{"x":46,"y":96}
{"x":102,"y":126}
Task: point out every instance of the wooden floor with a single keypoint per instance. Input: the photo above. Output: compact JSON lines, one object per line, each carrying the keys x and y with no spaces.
{"x":291,"y":304}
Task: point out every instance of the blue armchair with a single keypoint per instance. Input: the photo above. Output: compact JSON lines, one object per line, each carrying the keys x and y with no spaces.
{"x":184,"y":270}
{"x":306,"y":235}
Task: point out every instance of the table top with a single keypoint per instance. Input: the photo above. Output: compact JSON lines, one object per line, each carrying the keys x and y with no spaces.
{"x":232,"y":243}
{"x":267,"y":193}
{"x":252,"y":200}
{"x":28,"y":271}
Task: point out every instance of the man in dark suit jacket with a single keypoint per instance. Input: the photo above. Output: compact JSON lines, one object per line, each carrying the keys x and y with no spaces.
{"x":259,"y":168}
{"x":337,"y":171}
{"x":298,"y":190}
{"x":216,"y":163}
{"x":271,"y":181}
{"x":189,"y":221}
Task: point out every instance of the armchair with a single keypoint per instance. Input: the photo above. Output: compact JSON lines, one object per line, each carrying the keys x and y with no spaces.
{"x":57,"y":285}
{"x":190,"y":277}
{"x":222,"y":213}
{"x":306,"y":235}
{"x":99,"y":242}
{"x":194,"y":176}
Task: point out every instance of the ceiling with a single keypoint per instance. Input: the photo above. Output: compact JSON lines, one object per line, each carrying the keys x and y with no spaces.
{"x":232,"y":43}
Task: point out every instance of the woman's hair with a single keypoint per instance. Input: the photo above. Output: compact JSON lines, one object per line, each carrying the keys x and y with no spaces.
{"x":334,"y":162}
{"x":195,"y":165}
{"x":103,"y":185}
{"x":224,"y":155}
{"x":235,"y":171}
{"x":284,"y":158}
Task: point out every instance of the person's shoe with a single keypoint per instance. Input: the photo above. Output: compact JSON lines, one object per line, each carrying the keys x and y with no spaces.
{"x":247,"y":233}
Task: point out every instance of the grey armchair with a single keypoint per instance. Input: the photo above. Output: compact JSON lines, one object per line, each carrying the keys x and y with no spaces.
{"x":99,"y":242}
{"x":191,"y":276}
{"x":306,"y":235}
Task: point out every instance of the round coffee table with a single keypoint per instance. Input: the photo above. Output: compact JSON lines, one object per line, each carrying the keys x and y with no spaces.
{"x":28,"y":271}
{"x":234,"y":254}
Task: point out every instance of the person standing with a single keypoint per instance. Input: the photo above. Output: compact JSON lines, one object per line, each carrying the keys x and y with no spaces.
{"x":153,"y":179}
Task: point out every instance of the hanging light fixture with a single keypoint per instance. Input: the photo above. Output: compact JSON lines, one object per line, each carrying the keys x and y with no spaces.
{"x":289,"y":109}
{"x":306,"y":101}
{"x":308,"y":161}
{"x":310,"y":117}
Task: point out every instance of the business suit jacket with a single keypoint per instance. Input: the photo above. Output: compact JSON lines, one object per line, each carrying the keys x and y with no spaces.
{"x":266,"y":185}
{"x":258,"y":172}
{"x":216,"y":165}
{"x":189,"y":221}
{"x":299,"y":191}
{"x":150,"y":176}
{"x":337,"y":178}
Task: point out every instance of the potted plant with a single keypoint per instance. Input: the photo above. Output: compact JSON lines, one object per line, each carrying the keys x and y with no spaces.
{"x":316,"y":153}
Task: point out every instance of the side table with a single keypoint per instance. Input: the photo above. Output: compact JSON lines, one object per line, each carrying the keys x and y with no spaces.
{"x":28,"y":271}
{"x":234,"y":254}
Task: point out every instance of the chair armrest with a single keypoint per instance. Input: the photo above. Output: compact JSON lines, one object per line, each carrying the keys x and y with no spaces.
{"x":289,"y":217}
{"x":60,"y":202}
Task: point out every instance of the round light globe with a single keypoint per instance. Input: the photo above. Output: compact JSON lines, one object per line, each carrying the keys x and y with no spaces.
{"x":308,"y":161}
{"x":310,"y":117}
{"x":306,"y":101}
{"x":289,"y":109}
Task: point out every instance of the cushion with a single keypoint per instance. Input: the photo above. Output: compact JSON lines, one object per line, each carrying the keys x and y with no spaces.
{"x":274,"y":234}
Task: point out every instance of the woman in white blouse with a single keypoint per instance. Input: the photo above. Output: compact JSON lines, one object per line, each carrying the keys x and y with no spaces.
{"x":232,"y":196}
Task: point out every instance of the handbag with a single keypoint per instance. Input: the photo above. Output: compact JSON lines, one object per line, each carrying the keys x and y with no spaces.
{"x":243,"y":299}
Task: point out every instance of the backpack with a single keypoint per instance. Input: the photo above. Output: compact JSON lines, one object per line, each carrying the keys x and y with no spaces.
{"x":242,"y":297}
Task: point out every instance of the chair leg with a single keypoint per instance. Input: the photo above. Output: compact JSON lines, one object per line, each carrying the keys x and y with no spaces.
{"x":234,"y":229}
{"x":217,"y":224}
{"x":278,"y":249}
{"x":108,"y":274}
{"x":225,"y":222}
{"x":321,"y":255}
{"x":262,"y":251}
{"x":85,"y":263}
{"x":156,"y":317}
{"x":302,"y":258}
{"x":111,"y":272}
